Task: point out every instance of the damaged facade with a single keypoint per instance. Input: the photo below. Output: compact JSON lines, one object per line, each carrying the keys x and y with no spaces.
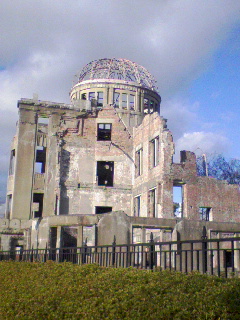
{"x":102,"y":167}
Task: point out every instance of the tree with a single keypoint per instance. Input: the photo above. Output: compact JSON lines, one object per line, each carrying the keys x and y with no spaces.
{"x":217,"y":166}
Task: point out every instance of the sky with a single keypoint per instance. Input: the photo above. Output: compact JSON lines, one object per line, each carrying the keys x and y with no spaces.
{"x":192,"y":48}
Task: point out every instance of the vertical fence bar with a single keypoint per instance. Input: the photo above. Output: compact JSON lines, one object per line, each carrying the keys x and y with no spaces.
{"x":232,"y":255}
{"x":218,"y":259}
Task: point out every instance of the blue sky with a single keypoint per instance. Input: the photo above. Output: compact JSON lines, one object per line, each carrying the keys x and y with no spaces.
{"x":192,"y":48}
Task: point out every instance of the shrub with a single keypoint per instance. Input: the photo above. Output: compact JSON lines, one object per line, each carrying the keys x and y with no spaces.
{"x":67,"y":291}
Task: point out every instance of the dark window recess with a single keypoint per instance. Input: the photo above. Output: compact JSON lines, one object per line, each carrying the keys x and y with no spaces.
{"x":100,"y":210}
{"x":100,"y":99}
{"x":38,"y":204}
{"x":12,"y":162}
{"x":104,"y":131}
{"x":137,"y":206}
{"x":40,"y":160}
{"x":9,"y":206}
{"x":83,"y":96}
{"x":228,"y":258}
{"x":105,"y":172}
{"x":204,"y":213}
{"x":53,"y":237}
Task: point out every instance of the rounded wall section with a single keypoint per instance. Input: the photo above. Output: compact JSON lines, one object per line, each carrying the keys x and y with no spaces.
{"x":122,"y":95}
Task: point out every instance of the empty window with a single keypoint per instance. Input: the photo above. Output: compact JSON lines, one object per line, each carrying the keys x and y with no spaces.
{"x":83,"y":96}
{"x":104,"y":131}
{"x":91,"y":96}
{"x":124,"y":100}
{"x":152,"y":203}
{"x":177,"y":201}
{"x":228,"y":258}
{"x":43,"y":120}
{"x":137,"y":206}
{"x":154,"y":152}
{"x":40,"y":159}
{"x":12,"y":162}
{"x":100,"y":210}
{"x":138,"y":162}
{"x":151,"y":107}
{"x":116,"y":99}
{"x":145,"y":106}
{"x":37,"y":205}
{"x":105,"y":172}
{"x":100,"y":99}
{"x":8,"y":206}
{"x":204,"y":213}
{"x":131,"y":101}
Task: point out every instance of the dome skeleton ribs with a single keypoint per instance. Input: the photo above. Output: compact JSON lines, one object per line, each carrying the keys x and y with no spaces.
{"x":118,"y":69}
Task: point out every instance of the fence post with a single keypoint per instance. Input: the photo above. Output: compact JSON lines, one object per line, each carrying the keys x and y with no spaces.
{"x":84,"y":254}
{"x":113,"y":250}
{"x":45,"y":254}
{"x":151,"y":252}
{"x":204,"y":250}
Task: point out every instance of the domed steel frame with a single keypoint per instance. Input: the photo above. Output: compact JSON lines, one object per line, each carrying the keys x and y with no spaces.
{"x":118,"y":69}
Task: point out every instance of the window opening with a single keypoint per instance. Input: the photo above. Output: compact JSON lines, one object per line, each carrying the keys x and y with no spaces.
{"x":145,"y":105}
{"x":38,"y":204}
{"x":154,"y":152}
{"x":204,"y":213}
{"x":43,"y":120}
{"x":91,"y":95}
{"x":116,"y":99}
{"x":228,"y":258}
{"x":9,"y":206}
{"x":12,"y":162}
{"x":100,"y":99}
{"x":40,"y":159}
{"x":105,"y":172}
{"x":151,"y":107}
{"x":124,"y":100}
{"x":137,"y":206}
{"x":152,"y":201}
{"x":101,"y":210}
{"x":139,"y":162}
{"x":104,"y":131}
{"x":131,"y":101}
{"x":83,"y":96}
{"x":177,"y":201}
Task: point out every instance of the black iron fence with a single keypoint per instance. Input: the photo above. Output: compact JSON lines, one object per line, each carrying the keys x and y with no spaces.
{"x":219,"y":257}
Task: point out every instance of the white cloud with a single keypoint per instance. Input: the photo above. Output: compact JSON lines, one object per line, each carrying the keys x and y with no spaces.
{"x":203,"y":142}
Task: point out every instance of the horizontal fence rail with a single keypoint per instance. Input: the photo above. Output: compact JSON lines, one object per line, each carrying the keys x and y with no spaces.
{"x":219,"y":257}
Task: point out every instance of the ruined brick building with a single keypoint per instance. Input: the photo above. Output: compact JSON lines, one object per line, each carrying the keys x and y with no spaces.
{"x":102,"y":166}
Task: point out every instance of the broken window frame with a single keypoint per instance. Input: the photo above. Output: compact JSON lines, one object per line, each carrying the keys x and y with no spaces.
{"x":105,"y":173}
{"x":154,"y":152}
{"x":139,"y":162}
{"x":205,"y":213}
{"x":104,"y":134}
{"x":12,"y":162}
{"x":152,"y":203}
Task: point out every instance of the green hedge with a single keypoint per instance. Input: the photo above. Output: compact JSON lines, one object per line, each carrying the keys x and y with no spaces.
{"x":67,"y":291}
